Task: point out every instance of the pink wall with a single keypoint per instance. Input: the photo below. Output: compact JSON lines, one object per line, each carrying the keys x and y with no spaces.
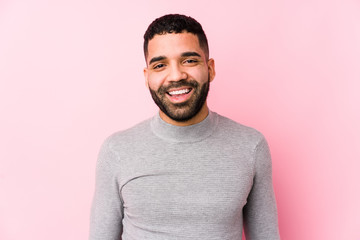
{"x":71,"y":74}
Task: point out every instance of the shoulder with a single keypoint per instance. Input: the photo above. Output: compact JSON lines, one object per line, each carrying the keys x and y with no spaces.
{"x":127,"y":137}
{"x":237,"y":134}
{"x":233,"y":128}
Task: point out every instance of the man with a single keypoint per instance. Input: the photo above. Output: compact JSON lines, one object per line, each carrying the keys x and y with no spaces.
{"x":186,"y":173}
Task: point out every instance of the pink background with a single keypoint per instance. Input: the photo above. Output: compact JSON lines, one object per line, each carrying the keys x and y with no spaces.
{"x":71,"y":74}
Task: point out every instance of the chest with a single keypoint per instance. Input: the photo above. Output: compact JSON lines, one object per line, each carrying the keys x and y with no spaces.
{"x":182,"y":183}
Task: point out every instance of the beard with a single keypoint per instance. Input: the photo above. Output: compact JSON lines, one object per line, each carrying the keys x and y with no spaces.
{"x":184,"y":111}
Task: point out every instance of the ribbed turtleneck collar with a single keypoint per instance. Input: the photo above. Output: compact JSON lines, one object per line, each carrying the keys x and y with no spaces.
{"x":190,"y":133}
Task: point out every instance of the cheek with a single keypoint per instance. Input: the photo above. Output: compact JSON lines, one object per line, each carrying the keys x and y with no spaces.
{"x":200,"y":76}
{"x":154,"y":81}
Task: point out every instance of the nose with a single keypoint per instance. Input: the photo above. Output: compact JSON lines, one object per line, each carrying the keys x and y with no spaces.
{"x":176,"y":73}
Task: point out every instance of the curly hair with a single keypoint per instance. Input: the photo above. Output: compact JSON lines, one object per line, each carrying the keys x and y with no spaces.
{"x":176,"y":23}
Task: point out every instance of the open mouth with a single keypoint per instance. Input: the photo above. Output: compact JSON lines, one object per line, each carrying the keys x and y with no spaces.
{"x":179,"y":92}
{"x":180,"y":95}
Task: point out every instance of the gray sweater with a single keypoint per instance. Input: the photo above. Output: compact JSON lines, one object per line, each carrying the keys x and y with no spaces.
{"x":205,"y":181}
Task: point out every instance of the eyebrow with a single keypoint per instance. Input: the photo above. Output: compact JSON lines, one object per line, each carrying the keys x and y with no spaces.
{"x":190,"y":54}
{"x":156,"y":59}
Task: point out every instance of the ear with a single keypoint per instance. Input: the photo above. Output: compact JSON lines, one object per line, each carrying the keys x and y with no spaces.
{"x":211,"y":68}
{"x":146,"y":77}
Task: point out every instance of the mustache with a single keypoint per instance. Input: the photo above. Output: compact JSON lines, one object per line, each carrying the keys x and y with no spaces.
{"x":178,"y":84}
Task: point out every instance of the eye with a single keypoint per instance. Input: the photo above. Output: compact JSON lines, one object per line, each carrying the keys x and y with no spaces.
{"x":158,"y":66}
{"x":190,"y":61}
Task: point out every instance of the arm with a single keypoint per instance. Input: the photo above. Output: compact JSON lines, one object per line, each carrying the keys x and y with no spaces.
{"x":106,"y":210}
{"x":260,"y":213}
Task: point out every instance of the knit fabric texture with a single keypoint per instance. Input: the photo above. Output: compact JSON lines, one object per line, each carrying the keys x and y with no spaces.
{"x":206,"y":181}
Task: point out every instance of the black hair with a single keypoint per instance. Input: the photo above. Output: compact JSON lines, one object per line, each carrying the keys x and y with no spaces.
{"x":176,"y":23}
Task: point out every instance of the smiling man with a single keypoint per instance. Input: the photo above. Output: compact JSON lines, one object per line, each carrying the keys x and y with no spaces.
{"x":186,"y":173}
{"x":178,"y":76}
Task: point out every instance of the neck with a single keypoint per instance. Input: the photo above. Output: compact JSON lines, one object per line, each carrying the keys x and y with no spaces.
{"x":192,"y":133}
{"x":200,"y":116}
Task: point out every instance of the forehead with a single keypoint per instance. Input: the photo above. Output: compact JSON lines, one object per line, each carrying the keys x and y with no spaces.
{"x":173,"y":44}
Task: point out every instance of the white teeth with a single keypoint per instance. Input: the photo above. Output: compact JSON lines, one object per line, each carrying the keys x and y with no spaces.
{"x":178,"y":92}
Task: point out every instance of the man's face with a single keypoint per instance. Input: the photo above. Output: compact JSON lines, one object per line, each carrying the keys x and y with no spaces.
{"x":178,"y":75}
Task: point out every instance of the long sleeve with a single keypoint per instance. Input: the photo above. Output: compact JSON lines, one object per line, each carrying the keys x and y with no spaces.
{"x":260,"y":212}
{"x":106,"y":211}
